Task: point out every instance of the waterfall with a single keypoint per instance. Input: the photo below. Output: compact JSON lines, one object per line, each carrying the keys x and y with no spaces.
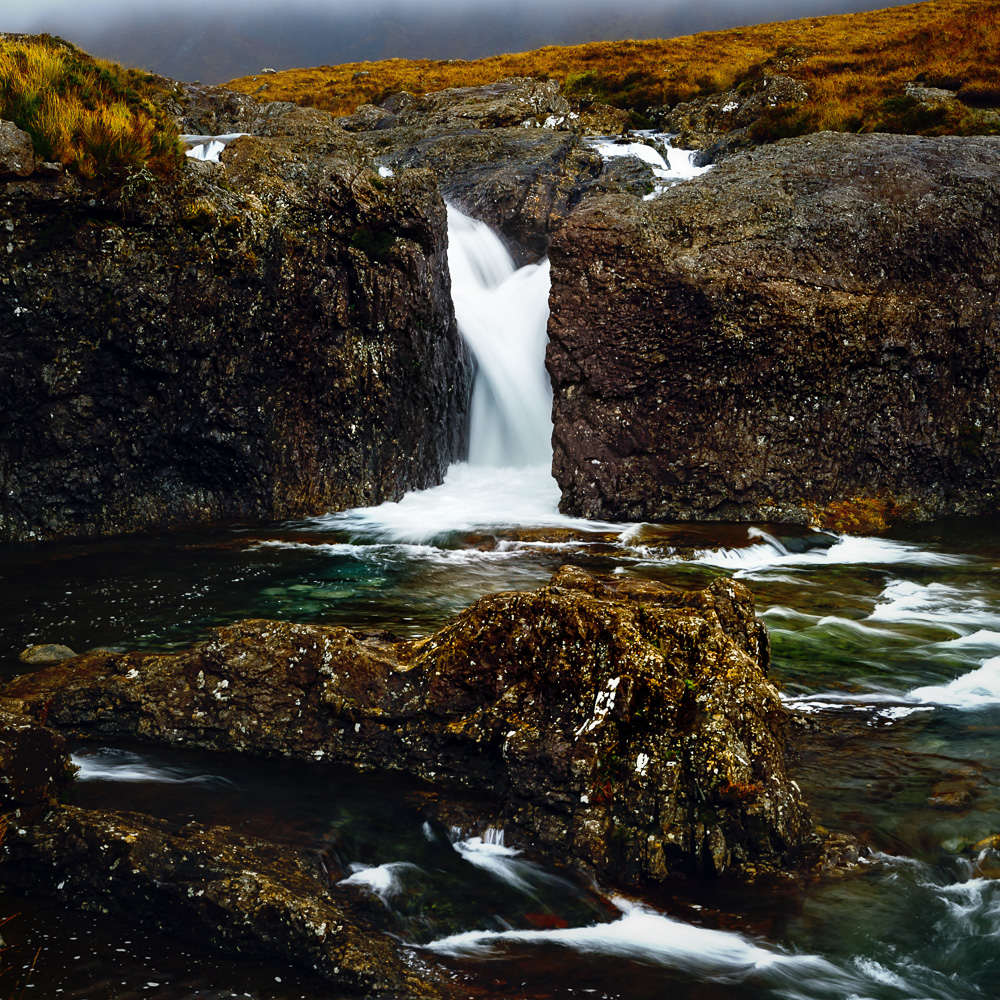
{"x":502,"y":313}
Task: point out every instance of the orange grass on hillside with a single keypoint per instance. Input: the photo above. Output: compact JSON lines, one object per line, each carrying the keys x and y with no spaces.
{"x":850,"y":63}
{"x":94,"y":116}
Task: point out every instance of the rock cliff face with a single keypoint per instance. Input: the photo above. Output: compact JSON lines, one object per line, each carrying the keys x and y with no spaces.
{"x":619,"y":724}
{"x":267,"y":338}
{"x":812,"y":322}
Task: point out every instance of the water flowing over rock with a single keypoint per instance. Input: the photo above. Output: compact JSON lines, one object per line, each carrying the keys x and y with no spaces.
{"x":806,"y":324}
{"x":622,"y":725}
{"x":507,"y":154}
{"x":267,"y":337}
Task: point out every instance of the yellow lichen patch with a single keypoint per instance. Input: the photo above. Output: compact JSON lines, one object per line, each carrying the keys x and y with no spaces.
{"x":856,"y":515}
{"x":854,"y":66}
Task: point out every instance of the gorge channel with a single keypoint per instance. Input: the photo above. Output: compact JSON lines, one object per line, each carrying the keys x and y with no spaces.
{"x":888,"y":649}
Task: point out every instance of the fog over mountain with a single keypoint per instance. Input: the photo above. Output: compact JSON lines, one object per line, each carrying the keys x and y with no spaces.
{"x":216,"y":40}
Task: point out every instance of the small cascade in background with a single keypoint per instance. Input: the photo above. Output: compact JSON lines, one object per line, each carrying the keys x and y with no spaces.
{"x":669,"y":165}
{"x":502,"y":313}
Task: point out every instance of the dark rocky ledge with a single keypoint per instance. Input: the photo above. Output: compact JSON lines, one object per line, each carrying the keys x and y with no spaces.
{"x":622,"y":725}
{"x":266,"y":338}
{"x":810,"y":324}
{"x":206,"y":884}
{"x":510,"y":154}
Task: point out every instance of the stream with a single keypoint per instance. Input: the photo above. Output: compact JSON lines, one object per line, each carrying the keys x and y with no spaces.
{"x":887,"y":650}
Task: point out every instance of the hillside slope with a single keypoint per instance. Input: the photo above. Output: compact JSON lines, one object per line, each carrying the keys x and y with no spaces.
{"x":854,"y":67}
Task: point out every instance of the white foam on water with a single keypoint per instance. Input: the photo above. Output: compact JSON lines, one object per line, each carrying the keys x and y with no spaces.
{"x":122,"y":765}
{"x":770,"y":553}
{"x":879,"y":973}
{"x":208,"y":147}
{"x":982,"y":639}
{"x":900,"y":712}
{"x":471,"y":498}
{"x":979,"y":688}
{"x":976,"y":624}
{"x":957,"y":609}
{"x":489,"y":854}
{"x":679,"y":164}
{"x":643,"y":935}
{"x":385,"y":881}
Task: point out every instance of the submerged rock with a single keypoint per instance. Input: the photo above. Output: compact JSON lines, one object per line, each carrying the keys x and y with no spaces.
{"x":45,"y":654}
{"x":806,"y":331}
{"x":264,"y":338}
{"x":620,"y":724}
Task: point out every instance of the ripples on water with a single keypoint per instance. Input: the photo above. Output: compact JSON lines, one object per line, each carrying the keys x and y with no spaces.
{"x":887,"y":650}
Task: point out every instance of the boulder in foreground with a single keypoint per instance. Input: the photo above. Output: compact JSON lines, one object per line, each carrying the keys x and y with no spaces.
{"x":622,"y":725}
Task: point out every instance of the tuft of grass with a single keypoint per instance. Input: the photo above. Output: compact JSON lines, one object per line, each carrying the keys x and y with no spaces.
{"x":851,"y":65}
{"x":93,"y":116}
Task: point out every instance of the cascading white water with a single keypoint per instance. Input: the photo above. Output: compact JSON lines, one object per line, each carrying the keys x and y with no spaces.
{"x":502,"y":313}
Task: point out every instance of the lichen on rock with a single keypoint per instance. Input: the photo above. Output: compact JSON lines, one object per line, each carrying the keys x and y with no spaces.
{"x":221,"y":345}
{"x":624,"y":725}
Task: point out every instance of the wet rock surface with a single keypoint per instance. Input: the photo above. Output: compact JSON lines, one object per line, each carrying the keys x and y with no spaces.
{"x":508,"y":154}
{"x":45,"y":654}
{"x":812,"y":323}
{"x":214,"y":886}
{"x":34,"y":767}
{"x":623,"y":725}
{"x":265,"y":338}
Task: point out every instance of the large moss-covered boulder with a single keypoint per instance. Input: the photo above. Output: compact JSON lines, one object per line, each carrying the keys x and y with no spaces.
{"x":624,"y":725}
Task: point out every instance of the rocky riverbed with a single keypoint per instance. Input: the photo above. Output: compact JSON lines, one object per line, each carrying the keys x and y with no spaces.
{"x":625,"y":727}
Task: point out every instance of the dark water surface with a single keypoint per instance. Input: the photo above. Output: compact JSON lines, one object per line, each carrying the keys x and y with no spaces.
{"x":887,"y":650}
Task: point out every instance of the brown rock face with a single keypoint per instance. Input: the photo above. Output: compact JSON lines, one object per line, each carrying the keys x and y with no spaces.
{"x":813,"y":322}
{"x":266,"y":338}
{"x":626,"y":726}
{"x":34,"y":767}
